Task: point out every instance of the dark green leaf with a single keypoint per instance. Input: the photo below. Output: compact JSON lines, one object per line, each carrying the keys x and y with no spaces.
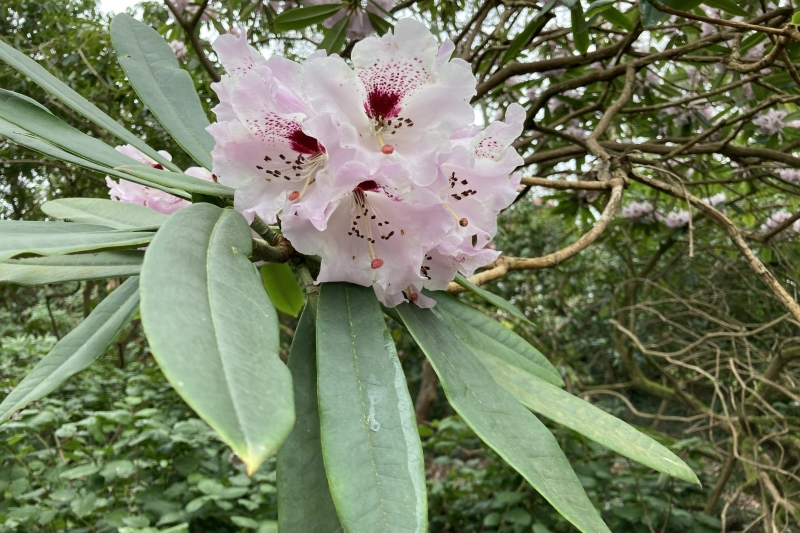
{"x":177,"y":180}
{"x":579,"y":36}
{"x":598,"y":6}
{"x":586,"y":419}
{"x":79,"y":349}
{"x":617,"y":19}
{"x":22,"y":137}
{"x":373,"y":456}
{"x":302,"y":17}
{"x":649,"y":14}
{"x":75,"y":101}
{"x":214,"y":332}
{"x":282,"y":287}
{"x":78,"y":267}
{"x":380,"y":24}
{"x":728,"y":6}
{"x":524,"y":37}
{"x":166,"y":89}
{"x":304,"y":498}
{"x":493,"y":299}
{"x":334,"y":37}
{"x":480,"y":332}
{"x":498,"y":418}
{"x":104,"y":212}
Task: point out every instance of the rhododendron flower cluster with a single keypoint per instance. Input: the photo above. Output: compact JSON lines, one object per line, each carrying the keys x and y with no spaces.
{"x":777,"y":219}
{"x":714,"y":200}
{"x":771,"y":122}
{"x":133,"y":193}
{"x":179,"y":47}
{"x":674,"y":219}
{"x":792,"y":175}
{"x":375,"y":168}
{"x":637,"y":209}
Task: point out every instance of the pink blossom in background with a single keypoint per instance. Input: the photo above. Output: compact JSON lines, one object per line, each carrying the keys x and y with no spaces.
{"x":182,"y":6}
{"x":682,"y":117}
{"x":375,"y":167}
{"x":674,"y":219}
{"x":574,"y":129}
{"x":792,"y":175}
{"x":637,"y":209}
{"x":747,"y":89}
{"x":757,"y":52}
{"x":359,"y":26}
{"x":134,"y":193}
{"x":771,"y":121}
{"x":715,"y":200}
{"x":777,"y":219}
{"x":179,"y":48}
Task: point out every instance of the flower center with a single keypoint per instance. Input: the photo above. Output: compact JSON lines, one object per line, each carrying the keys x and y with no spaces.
{"x":363,"y":215}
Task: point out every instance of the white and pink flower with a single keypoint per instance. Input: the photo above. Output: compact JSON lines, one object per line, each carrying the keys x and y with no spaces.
{"x":133,"y":193}
{"x":375,"y":168}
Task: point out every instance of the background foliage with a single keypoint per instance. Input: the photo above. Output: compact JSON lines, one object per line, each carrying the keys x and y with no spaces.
{"x":666,"y":328}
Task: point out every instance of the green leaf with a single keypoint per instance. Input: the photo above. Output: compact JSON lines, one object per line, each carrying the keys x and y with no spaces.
{"x":335,"y":37}
{"x":482,"y":333}
{"x":649,"y":14}
{"x":579,"y":36}
{"x":500,"y":421}
{"x":177,"y":180}
{"x":616,"y":18}
{"x":117,"y":215}
{"x":796,"y":18}
{"x":524,"y":37}
{"x":598,"y":6}
{"x":75,"y":101}
{"x":78,"y":267}
{"x":304,"y":498}
{"x":57,"y":241}
{"x":77,"y":350}
{"x":380,"y":24}
{"x":47,"y":126}
{"x":23,"y":137}
{"x":214,"y":332}
{"x":80,"y":471}
{"x":36,"y":227}
{"x":282,"y":287}
{"x":165,"y":88}
{"x":373,"y":456}
{"x":303,"y":17}
{"x":492,"y":298}
{"x":728,"y":6}
{"x":586,"y":419}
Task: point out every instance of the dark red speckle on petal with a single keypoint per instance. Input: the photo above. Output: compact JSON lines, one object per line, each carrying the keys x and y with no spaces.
{"x":158,"y":166}
{"x":304,"y":144}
